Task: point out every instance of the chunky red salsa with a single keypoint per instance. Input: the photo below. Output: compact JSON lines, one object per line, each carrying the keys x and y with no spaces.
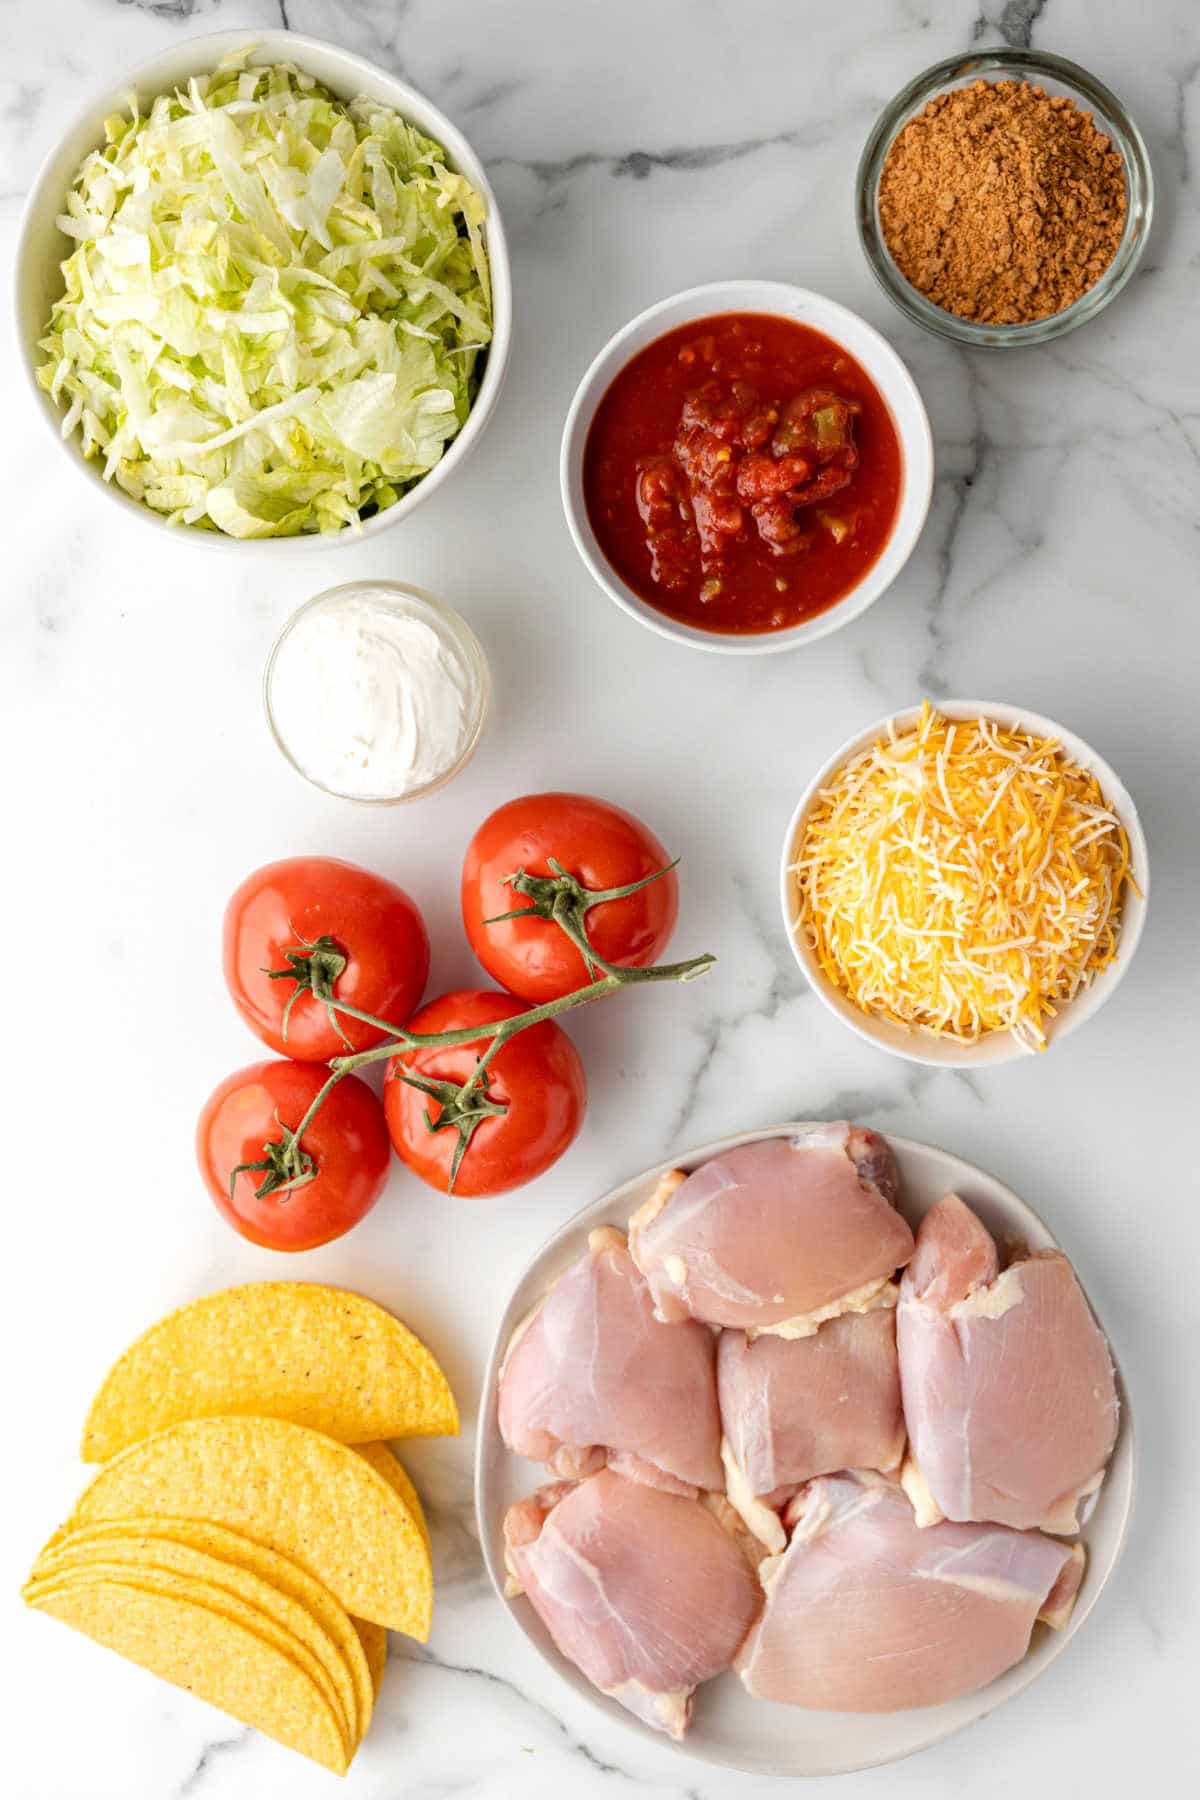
{"x":742,"y":473}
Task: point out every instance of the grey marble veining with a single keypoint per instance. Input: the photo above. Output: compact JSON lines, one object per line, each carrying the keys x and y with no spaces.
{"x":636,"y":148}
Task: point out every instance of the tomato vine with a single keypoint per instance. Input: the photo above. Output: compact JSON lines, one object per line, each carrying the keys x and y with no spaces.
{"x":562,"y":900}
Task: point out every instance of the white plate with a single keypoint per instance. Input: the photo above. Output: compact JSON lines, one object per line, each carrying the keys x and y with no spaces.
{"x":729,"y":1728}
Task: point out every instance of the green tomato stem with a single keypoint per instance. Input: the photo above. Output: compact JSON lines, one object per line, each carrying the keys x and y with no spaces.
{"x":499,"y":1031}
{"x":458,"y":1099}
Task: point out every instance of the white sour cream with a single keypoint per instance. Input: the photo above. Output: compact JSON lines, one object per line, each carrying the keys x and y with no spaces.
{"x":375,"y":692}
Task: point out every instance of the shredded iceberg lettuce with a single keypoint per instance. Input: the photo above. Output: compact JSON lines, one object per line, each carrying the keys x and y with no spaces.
{"x":274,"y":318}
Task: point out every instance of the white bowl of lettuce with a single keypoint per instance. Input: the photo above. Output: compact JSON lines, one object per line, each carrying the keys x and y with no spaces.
{"x":260,"y":305}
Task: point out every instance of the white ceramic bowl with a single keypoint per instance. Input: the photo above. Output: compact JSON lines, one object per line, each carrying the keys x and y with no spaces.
{"x":996,"y":1046}
{"x":868,"y":348}
{"x":41,"y":248}
{"x":729,"y":1728}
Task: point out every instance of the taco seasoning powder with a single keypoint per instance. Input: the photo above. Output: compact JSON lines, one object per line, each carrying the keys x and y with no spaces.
{"x":1002,"y":203}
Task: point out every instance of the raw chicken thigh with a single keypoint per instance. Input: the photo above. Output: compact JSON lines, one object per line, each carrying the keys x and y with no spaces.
{"x":642,"y":1590}
{"x":775,"y":1236}
{"x":867,"y":1612}
{"x":592,"y":1376}
{"x":1008,"y":1386}
{"x":795,"y":1408}
{"x":751,"y":1336}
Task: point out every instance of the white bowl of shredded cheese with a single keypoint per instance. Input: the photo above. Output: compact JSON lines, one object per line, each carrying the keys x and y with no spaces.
{"x":964,"y":884}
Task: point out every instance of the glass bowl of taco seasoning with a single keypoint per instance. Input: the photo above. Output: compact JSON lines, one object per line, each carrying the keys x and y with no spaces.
{"x":1004,"y":198}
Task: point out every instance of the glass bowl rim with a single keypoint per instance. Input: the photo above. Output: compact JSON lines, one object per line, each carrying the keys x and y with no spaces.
{"x":446,"y":617}
{"x":1018,"y":63}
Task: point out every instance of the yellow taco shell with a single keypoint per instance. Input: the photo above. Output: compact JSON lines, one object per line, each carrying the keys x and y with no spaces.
{"x":293,"y":1350}
{"x":289,"y":1488}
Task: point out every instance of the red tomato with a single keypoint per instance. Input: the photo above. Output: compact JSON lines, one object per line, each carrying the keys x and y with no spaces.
{"x":537,"y":1076}
{"x":601,"y":847}
{"x":285,"y":908}
{"x":346,"y":1146}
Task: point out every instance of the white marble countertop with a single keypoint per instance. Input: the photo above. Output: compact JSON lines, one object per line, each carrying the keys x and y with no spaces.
{"x":636,"y":149}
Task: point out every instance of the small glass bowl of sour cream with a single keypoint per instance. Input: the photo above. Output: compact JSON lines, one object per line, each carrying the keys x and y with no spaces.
{"x":377,"y":692}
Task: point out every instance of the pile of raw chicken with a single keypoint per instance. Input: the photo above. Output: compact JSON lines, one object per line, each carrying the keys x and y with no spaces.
{"x":860,"y":1492}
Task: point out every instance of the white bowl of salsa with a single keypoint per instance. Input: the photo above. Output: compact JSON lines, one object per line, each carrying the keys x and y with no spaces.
{"x":746,"y":467}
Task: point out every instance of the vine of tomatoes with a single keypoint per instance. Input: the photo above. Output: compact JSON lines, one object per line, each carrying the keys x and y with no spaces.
{"x":566,"y":899}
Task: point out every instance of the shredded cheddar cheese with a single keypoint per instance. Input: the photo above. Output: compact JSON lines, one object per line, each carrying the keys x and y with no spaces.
{"x":962,"y":878}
